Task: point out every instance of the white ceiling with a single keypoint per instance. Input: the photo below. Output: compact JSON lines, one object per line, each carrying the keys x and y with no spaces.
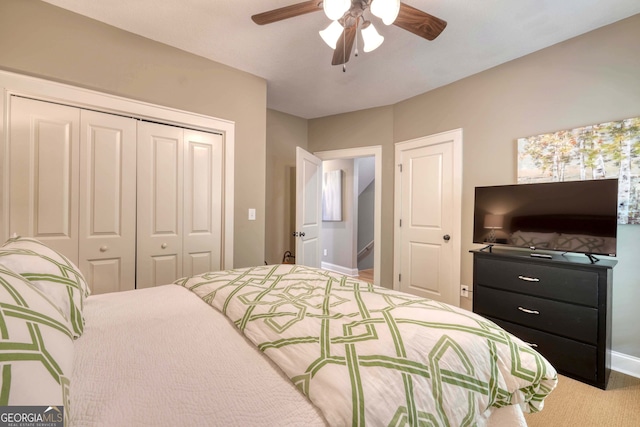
{"x":296,"y":63}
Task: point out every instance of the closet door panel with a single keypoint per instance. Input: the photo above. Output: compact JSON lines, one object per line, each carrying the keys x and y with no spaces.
{"x":160,"y":194}
{"x":43,"y":173}
{"x":108,"y":201}
{"x":203,"y":154}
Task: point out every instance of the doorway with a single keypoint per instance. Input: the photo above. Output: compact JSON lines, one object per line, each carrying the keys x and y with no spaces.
{"x":348,"y":214}
{"x":356,"y":155}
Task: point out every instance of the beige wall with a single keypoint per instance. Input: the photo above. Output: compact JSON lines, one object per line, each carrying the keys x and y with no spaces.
{"x":45,"y":41}
{"x":284,"y":133}
{"x":590,"y":79}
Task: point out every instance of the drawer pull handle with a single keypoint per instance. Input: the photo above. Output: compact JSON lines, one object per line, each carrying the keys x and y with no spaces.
{"x":526,"y":310}
{"x":529,"y":279}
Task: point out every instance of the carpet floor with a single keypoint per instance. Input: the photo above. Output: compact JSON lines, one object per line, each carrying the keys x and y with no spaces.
{"x":575,"y":404}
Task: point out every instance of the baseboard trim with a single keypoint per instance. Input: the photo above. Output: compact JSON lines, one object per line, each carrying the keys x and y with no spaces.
{"x":626,"y":364}
{"x":353,"y":272}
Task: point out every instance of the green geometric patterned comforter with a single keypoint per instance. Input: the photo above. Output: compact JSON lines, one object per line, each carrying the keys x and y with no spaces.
{"x":367,"y":355}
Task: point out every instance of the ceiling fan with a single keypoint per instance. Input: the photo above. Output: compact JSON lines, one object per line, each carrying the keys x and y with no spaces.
{"x":348,"y":16}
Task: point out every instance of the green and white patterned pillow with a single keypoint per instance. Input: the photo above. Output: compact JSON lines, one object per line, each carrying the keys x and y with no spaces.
{"x":51,"y":272}
{"x":36,"y":346}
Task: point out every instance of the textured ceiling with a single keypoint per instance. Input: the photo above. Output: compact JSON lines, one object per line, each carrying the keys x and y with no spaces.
{"x":296,"y":63}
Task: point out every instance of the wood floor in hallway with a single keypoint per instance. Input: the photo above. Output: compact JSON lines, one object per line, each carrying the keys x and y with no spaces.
{"x":366,"y":275}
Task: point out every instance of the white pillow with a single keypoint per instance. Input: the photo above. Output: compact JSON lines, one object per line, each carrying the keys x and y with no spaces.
{"x":36,"y":345}
{"x":51,"y":272}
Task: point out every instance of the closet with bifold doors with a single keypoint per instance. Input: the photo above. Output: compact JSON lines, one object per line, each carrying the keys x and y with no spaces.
{"x":132,"y":203}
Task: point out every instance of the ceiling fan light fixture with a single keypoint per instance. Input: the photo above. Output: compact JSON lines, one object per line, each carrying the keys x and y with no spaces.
{"x":387,"y":10}
{"x":335,"y":9}
{"x":350,"y":14}
{"x":331,"y":34}
{"x":372,"y":39}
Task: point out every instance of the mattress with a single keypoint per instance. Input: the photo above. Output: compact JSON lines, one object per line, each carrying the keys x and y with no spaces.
{"x":163,"y":357}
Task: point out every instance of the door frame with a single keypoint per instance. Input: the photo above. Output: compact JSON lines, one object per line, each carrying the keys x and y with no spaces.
{"x":376,"y":152}
{"x":45,"y":90}
{"x":455,"y":137}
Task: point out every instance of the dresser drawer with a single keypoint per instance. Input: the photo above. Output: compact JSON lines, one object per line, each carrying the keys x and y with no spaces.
{"x":567,"y":356}
{"x":568,"y":320}
{"x":565,"y":284}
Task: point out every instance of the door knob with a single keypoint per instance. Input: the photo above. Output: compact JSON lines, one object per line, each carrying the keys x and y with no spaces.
{"x":446,"y":237}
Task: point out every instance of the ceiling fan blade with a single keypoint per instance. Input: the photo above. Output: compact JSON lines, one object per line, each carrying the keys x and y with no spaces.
{"x":343,"y":46}
{"x":419,"y":23}
{"x":287,"y":12}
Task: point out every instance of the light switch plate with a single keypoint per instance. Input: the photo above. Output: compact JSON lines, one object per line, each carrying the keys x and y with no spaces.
{"x":252,"y":214}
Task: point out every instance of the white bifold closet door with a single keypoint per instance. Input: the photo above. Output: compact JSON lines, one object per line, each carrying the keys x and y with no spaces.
{"x":73,"y":186}
{"x":133,"y":204}
{"x":179,"y":203}
{"x":44,"y":156}
{"x":107,"y":201}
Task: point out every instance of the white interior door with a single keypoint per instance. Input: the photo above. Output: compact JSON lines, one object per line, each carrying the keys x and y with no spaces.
{"x":308,"y":208}
{"x":203,"y":169}
{"x":427,"y":233}
{"x":44,"y":173}
{"x":159,"y":212}
{"x":107,"y":233}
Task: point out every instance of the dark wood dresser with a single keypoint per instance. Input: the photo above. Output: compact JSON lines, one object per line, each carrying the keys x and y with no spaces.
{"x":560,"y":306}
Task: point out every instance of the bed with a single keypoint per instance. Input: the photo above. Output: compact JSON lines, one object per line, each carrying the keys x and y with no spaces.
{"x":262,"y":346}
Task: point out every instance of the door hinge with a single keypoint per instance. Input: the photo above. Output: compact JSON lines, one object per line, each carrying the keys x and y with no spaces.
{"x":400,"y":222}
{"x":400,"y":166}
{"x":399,"y":277}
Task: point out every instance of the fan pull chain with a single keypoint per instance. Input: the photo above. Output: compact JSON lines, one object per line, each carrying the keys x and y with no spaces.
{"x":356,"y":52}
{"x":344,"y":50}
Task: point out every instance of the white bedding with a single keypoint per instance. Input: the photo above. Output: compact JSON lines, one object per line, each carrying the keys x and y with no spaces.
{"x":163,"y":357}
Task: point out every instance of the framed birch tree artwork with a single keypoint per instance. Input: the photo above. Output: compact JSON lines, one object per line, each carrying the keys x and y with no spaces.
{"x":607,"y":150}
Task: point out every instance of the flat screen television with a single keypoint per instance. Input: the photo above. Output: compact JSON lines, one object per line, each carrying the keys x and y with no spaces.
{"x":575,"y":216}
